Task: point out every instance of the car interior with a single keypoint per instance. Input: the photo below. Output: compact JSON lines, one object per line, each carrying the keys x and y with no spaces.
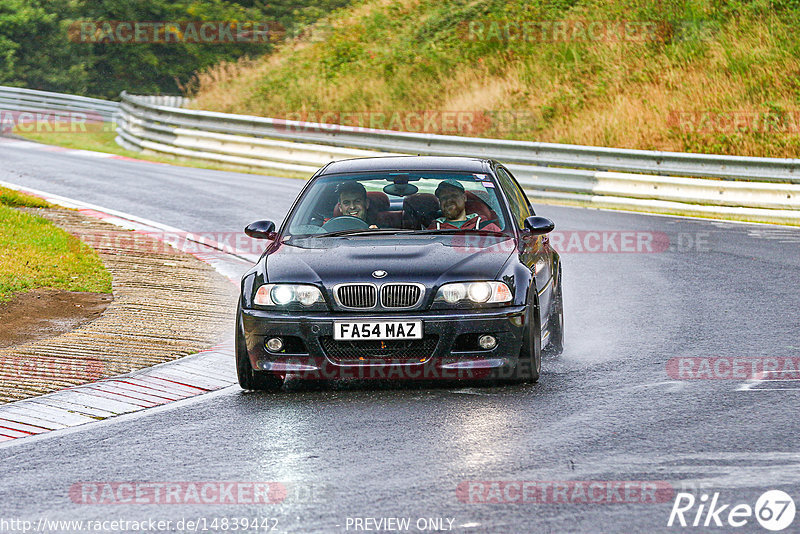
{"x":395,"y":203}
{"x":413,"y":212}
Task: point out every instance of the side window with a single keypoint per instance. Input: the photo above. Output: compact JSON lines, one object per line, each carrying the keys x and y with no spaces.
{"x":520,"y":207}
{"x":526,"y":203}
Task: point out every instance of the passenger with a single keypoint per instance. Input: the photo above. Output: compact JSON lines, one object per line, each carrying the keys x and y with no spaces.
{"x":453,"y":201}
{"x":353,"y":200}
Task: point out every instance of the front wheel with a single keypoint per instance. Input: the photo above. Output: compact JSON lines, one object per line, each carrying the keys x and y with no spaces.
{"x":556,"y":327}
{"x":249,"y":378}
{"x":529,"y":366}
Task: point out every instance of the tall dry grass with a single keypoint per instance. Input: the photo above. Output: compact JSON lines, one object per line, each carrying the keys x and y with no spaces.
{"x":384,"y":56}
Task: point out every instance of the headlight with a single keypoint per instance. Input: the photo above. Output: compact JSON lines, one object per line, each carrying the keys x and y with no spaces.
{"x":452,"y":293}
{"x":281,"y":295}
{"x":474,"y":292}
{"x":479,"y":292}
{"x":287,"y":294}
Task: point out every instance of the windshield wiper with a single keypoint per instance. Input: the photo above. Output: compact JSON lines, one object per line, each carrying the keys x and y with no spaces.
{"x":360,"y":231}
{"x":389,"y":231}
{"x":459,"y":231}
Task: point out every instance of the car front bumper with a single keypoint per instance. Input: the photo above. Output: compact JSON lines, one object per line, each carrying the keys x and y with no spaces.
{"x":450,"y":353}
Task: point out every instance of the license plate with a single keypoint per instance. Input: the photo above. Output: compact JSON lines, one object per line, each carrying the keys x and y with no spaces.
{"x":382,"y":330}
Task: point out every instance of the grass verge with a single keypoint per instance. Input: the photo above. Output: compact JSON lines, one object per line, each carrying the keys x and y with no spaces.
{"x":34,"y":253}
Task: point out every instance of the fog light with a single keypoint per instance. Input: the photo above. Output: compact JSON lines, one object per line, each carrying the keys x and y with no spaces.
{"x":487,"y":342}
{"x":275,"y":344}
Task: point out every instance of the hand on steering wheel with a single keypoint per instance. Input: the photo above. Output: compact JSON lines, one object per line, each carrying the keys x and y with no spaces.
{"x":345,"y":222}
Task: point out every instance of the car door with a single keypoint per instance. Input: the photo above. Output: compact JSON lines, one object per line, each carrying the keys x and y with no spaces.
{"x":534,"y":251}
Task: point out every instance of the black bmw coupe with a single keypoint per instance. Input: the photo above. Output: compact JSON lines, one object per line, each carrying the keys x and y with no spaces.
{"x":402,"y":268}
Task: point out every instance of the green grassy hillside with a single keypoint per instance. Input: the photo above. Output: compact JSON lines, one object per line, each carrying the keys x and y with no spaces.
{"x":695,"y":75}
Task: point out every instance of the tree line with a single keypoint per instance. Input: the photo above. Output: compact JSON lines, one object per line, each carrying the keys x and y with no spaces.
{"x":102,"y":47}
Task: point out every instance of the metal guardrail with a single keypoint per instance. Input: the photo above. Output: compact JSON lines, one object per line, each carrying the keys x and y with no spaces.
{"x":519,"y":152}
{"x":29,"y":100}
{"x":752,"y":188}
{"x":759,"y":189}
{"x":172,"y":101}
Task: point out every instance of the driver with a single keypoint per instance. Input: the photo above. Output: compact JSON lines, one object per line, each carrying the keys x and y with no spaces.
{"x":353,"y":200}
{"x":453,"y":201}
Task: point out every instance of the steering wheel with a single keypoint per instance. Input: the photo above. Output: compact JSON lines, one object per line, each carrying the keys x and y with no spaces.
{"x":345,"y":222}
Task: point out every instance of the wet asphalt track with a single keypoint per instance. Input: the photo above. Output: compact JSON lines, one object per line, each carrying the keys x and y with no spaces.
{"x":605,"y":410}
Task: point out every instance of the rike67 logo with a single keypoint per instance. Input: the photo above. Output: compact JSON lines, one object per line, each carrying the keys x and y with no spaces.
{"x":774,"y":510}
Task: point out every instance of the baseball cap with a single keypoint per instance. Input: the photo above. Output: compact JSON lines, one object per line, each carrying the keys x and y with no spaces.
{"x":452,"y":182}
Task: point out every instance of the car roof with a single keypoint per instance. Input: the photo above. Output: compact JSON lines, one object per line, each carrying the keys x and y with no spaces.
{"x":408,"y":163}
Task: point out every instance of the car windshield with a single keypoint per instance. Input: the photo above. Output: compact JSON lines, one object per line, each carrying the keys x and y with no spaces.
{"x":398,"y":202}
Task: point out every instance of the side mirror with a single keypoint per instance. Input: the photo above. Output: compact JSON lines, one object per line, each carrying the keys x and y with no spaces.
{"x":539,"y":225}
{"x":261,"y":230}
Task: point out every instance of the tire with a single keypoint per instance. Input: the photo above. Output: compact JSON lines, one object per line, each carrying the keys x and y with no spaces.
{"x":250,"y":379}
{"x":529,"y":366}
{"x":555,"y":344}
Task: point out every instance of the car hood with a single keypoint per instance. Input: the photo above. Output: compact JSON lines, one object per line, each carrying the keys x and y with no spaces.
{"x":429,"y":259}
